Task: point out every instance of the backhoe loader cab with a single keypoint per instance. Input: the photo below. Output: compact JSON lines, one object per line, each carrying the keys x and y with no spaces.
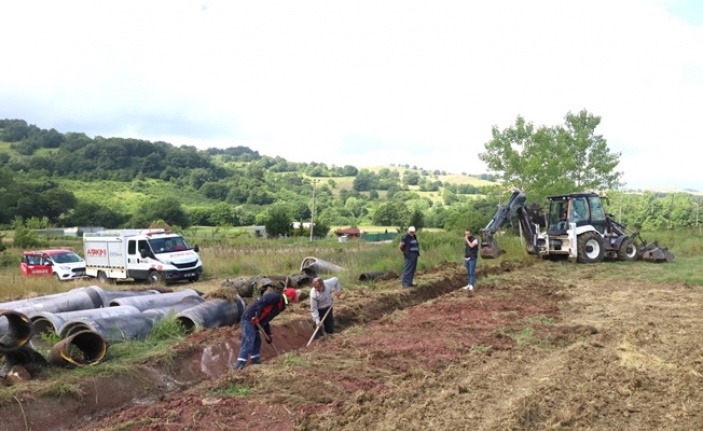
{"x":582,"y":209}
{"x":575,"y":227}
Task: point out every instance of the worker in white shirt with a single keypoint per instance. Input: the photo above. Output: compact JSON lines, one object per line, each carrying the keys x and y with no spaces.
{"x":321,"y":302}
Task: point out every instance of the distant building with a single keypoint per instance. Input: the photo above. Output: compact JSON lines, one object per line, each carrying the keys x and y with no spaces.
{"x":296,"y":225}
{"x":349,"y":232}
{"x":79,"y":230}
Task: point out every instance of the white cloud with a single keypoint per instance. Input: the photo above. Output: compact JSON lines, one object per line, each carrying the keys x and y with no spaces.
{"x":363,"y":82}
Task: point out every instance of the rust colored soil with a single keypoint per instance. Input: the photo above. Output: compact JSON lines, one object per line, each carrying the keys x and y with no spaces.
{"x":526,"y":351}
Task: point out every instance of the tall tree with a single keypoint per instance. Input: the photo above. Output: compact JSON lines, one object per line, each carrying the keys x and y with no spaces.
{"x":168,"y":209}
{"x":591,"y":165}
{"x":553,"y":160}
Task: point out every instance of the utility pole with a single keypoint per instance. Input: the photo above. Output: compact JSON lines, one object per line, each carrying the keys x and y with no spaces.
{"x":312,"y":217}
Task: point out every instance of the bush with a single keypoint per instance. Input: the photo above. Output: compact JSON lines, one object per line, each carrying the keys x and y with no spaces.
{"x":25,"y":237}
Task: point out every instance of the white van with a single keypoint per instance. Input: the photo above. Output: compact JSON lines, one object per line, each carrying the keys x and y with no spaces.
{"x":156,"y":255}
{"x":63,"y":264}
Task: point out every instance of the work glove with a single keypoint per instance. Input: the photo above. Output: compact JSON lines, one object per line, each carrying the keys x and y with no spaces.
{"x":317,"y":322}
{"x":255,"y":321}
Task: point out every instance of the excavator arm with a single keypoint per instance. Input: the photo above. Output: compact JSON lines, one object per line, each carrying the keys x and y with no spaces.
{"x":515,"y":205}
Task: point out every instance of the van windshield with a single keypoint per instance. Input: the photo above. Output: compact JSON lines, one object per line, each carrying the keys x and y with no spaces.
{"x":68,"y":257}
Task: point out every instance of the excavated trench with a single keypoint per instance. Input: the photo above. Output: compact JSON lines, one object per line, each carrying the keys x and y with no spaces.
{"x":208,"y":354}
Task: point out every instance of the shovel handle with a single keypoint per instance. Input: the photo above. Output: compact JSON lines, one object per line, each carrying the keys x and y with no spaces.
{"x":266,"y":336}
{"x":268,"y":339}
{"x":319,"y":325}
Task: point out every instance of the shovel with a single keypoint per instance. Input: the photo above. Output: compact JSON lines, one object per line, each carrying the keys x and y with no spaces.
{"x":319,"y":325}
{"x":268,"y":339}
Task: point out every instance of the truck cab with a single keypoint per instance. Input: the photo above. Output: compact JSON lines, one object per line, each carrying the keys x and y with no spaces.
{"x":62,"y":264}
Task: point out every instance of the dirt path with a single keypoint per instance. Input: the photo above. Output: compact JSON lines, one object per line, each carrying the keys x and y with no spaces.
{"x":527,"y":351}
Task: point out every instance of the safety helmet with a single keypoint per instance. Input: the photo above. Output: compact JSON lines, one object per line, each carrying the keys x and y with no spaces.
{"x":291,"y":294}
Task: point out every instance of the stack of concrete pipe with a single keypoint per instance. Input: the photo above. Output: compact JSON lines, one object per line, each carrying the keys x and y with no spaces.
{"x":87,"y":319}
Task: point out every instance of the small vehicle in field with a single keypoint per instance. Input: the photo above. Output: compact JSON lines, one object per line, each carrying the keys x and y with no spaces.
{"x":62,"y":264}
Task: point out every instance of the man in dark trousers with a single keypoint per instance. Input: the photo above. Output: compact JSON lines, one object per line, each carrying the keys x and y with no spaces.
{"x":470,"y":258}
{"x":321,"y":302}
{"x":410,"y":247}
{"x":257,"y":316}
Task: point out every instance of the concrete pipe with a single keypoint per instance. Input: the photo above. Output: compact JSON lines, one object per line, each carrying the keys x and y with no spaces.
{"x":24,"y":356}
{"x":111,"y":295}
{"x":52,"y":323}
{"x":313,"y":266}
{"x":185,"y":303}
{"x":83,"y":348}
{"x":145,"y":302}
{"x":212,"y":313}
{"x":81,"y":298}
{"x":15,"y":330}
{"x":112,"y":329}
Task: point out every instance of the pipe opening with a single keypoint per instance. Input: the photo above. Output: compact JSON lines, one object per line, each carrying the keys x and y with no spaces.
{"x":17,"y":328}
{"x":83,"y":348}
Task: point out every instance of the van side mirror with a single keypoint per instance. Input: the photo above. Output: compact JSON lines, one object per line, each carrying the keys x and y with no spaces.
{"x":196,"y":248}
{"x":144,"y":253}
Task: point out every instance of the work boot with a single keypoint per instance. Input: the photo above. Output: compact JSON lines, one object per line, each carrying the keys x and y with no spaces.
{"x":239,"y":365}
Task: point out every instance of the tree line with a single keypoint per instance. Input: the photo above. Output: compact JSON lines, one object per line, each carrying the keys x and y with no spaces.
{"x":239,"y":187}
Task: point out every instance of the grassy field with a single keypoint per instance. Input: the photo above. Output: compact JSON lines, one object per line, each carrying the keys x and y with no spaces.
{"x":234,"y":252}
{"x":128,"y":196}
{"x":230,"y":253}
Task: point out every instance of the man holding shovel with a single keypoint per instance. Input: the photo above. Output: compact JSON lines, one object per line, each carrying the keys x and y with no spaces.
{"x":256,"y":319}
{"x":321,"y":303}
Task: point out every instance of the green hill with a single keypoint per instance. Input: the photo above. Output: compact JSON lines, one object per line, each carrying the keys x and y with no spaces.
{"x":71,"y":179}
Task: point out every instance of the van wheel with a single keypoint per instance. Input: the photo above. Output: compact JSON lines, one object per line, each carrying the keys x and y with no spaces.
{"x":155,"y":277}
{"x":56,"y":276}
{"x":102,"y":277}
{"x":194,"y":279}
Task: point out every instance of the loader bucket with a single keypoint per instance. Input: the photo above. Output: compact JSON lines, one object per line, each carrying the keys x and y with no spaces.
{"x":653,"y":253}
{"x":490,"y":250}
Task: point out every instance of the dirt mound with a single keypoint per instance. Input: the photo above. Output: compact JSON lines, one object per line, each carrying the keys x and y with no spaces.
{"x":526,"y":351}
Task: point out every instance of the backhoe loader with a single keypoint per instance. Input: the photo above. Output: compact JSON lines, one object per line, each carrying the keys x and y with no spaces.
{"x":577,"y":228}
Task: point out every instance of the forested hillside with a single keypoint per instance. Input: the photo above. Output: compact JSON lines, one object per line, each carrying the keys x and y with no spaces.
{"x":69,"y":179}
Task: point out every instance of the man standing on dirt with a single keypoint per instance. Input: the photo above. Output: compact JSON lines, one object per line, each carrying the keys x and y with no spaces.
{"x":410,"y":247}
{"x":321,"y":302}
{"x":256,"y":318}
{"x":470,"y":258}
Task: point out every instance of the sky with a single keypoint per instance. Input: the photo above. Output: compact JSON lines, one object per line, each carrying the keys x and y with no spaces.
{"x":361,"y":82}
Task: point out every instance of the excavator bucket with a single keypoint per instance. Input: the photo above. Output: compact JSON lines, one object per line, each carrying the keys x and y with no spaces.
{"x":489,"y":248}
{"x":653,"y":253}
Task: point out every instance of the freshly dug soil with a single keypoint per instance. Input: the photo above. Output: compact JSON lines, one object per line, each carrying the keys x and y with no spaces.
{"x":527,"y":350}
